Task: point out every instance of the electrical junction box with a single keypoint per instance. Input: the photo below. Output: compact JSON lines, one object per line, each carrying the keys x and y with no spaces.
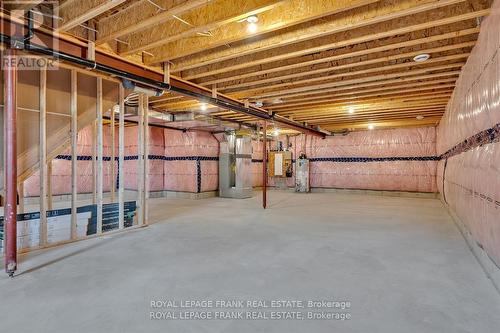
{"x":280,"y":164}
{"x":302,"y":175}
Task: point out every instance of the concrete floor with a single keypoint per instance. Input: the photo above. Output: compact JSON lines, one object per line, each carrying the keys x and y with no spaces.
{"x":401,"y":262}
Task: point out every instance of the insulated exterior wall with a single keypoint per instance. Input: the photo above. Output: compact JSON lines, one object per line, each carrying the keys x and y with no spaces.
{"x":61,"y":167}
{"x":468,"y":138}
{"x":190,"y":161}
{"x":393,"y":159}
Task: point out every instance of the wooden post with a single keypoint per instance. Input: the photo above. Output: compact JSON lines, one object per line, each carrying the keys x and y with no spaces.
{"x":121,"y":153}
{"x":140,"y":161}
{"x":74,"y":152}
{"x":264,"y":165}
{"x":146,"y":159}
{"x":166,"y":72}
{"x":43,"y":157}
{"x":99,"y":155}
{"x":91,"y":51}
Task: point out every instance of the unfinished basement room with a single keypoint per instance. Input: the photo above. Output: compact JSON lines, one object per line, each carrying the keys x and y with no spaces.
{"x":244,"y":166}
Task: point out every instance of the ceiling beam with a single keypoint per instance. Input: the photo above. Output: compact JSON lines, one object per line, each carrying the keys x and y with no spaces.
{"x":307,"y":114}
{"x":352,"y":64}
{"x":379,"y":12}
{"x":400,"y":75}
{"x":360,"y":102}
{"x":433,"y":80}
{"x":141,"y":16}
{"x":335,"y":42}
{"x":430,"y":81}
{"x":329,"y":76}
{"x":292,"y":12}
{"x":351,"y":100}
{"x":215,"y":14}
{"x":366,"y":50}
{"x":76,"y":12}
{"x":384,"y":124}
{"x":20,"y":4}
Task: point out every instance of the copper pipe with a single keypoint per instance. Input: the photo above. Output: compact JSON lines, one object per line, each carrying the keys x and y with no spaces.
{"x":10,"y":212}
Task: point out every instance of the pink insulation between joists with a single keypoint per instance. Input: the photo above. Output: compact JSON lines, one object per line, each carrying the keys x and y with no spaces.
{"x":471,"y":185}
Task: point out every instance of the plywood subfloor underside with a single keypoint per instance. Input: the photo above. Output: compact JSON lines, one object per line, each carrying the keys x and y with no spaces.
{"x":400,"y":261}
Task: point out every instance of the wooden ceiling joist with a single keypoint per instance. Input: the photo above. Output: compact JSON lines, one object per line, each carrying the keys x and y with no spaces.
{"x":426,"y":80}
{"x":350,"y":100}
{"x":400,"y":75}
{"x":141,"y":16}
{"x":365,"y":49}
{"x":290,"y":13}
{"x":342,"y":76}
{"x":76,"y":12}
{"x":338,"y":64}
{"x":353,"y":63}
{"x":367,"y":101}
{"x":214,"y":14}
{"x":378,"y":12}
{"x":401,"y":27}
{"x":431,"y":121}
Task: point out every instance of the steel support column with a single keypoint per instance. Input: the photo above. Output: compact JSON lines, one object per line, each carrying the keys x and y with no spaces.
{"x":10,"y":212}
{"x":264,"y":165}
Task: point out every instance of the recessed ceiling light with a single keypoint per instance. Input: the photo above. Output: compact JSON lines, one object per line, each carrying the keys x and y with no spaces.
{"x":252,"y":28}
{"x":203,"y":107}
{"x":371,"y":126}
{"x":252,"y":24}
{"x":252,"y":19}
{"x":259,"y":104}
{"x":276,"y":132}
{"x":420,"y":117}
{"x":422,"y":57}
{"x":351,"y":109}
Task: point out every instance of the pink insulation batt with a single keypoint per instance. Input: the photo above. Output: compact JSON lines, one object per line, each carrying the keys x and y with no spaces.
{"x":415,"y":175}
{"x":470,"y":183}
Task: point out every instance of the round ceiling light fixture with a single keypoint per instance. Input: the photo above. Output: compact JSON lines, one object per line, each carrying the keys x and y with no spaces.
{"x":203,"y":107}
{"x":422,"y":57}
{"x":351,"y":109}
{"x":371,"y":126}
{"x":420,"y":117}
{"x":252,"y":24}
{"x":252,"y":19}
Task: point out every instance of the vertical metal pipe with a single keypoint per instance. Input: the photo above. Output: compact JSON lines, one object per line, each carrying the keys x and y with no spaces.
{"x":140,"y":161}
{"x":121,"y":159}
{"x":10,"y":222}
{"x":100,"y":152}
{"x":113,"y":153}
{"x":44,"y":175}
{"x":264,"y":165}
{"x":146,"y":159}
{"x":74,"y":153}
